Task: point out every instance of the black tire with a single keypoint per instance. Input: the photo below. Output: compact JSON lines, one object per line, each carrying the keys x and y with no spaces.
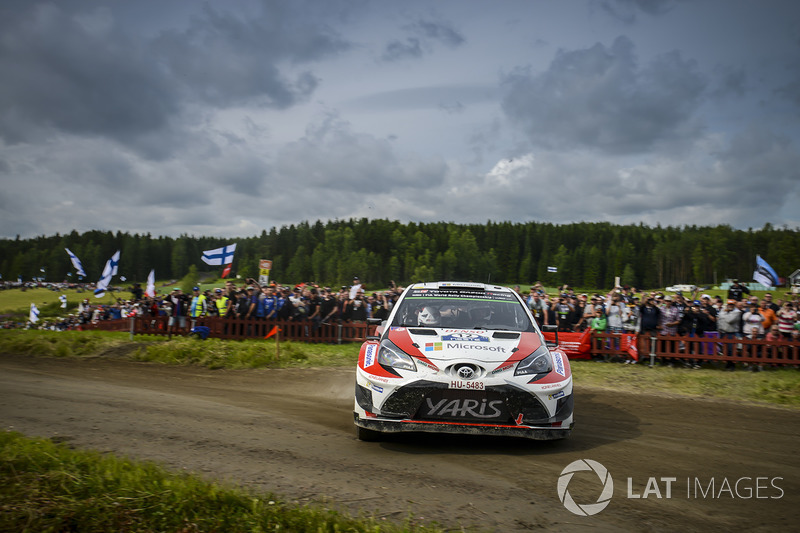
{"x":368,"y":435}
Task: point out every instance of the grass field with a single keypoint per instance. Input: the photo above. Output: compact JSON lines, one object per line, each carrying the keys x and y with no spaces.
{"x":779,"y":387}
{"x":49,"y":487}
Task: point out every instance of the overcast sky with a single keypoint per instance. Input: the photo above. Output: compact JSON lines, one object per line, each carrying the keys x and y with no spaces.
{"x":226,"y":118}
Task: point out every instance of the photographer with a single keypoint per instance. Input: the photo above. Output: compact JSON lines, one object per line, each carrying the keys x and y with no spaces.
{"x":649,"y":316}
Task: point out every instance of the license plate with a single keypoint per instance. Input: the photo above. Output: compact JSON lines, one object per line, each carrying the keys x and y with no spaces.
{"x":466,"y":385}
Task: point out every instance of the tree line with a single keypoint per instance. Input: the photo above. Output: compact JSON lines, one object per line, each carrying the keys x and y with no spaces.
{"x":584,"y":254}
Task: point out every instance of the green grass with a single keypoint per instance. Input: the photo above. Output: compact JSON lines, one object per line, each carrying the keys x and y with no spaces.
{"x":211,"y":353}
{"x":779,"y":387}
{"x":773,"y":386}
{"x":49,"y":487}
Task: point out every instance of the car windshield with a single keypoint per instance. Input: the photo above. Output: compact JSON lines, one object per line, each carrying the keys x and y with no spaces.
{"x":462,"y":310}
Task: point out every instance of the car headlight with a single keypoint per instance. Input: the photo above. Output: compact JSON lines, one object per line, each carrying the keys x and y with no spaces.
{"x":539,"y":362}
{"x":390,"y":355}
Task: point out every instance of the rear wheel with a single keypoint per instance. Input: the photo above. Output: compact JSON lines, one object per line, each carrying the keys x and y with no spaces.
{"x":368,"y":435}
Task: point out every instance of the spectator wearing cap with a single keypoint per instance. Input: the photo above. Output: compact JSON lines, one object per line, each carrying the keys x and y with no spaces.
{"x":355,"y":287}
{"x":669,"y":317}
{"x":564,"y":310}
{"x":179,"y":304}
{"x":616,"y":311}
{"x":252,"y":302}
{"x":222,"y":303}
{"x":198,"y":306}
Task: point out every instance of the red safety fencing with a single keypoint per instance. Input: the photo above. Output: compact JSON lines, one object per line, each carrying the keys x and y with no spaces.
{"x":236,"y":328}
{"x":585,"y":345}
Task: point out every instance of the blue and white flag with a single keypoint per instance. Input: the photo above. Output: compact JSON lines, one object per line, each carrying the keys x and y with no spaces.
{"x":63,"y":300}
{"x":552,"y":269}
{"x":220,"y":256}
{"x":76,"y":263}
{"x":34,"y":316}
{"x":112,"y":265}
{"x":764,"y":274}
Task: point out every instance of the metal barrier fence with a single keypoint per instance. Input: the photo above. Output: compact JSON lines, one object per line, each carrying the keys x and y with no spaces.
{"x":609,"y":346}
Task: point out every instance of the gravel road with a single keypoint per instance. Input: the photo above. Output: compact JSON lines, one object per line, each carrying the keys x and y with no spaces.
{"x":727,"y":466}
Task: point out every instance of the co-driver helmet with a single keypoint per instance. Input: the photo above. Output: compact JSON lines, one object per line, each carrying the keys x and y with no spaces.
{"x":429,"y":316}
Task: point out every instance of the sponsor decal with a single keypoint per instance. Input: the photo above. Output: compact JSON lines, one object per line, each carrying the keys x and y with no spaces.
{"x":502,"y":368}
{"x":378,"y":378}
{"x":369,"y":355}
{"x":474,"y":337}
{"x":375,"y":387}
{"x":551,"y":386}
{"x":433,"y":346}
{"x":464,"y":408}
{"x":395,"y":328}
{"x":429,"y":365}
{"x":468,"y":346}
{"x":559,"y":364}
{"x":556,"y":396}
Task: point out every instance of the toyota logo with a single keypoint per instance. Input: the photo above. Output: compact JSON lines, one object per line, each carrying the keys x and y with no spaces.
{"x":466,"y":372}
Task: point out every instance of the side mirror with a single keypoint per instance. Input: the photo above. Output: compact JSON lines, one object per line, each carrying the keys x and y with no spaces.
{"x":376,"y":326}
{"x":551,"y":329}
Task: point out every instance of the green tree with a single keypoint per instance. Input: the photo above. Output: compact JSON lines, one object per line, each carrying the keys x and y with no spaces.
{"x":189,"y":280}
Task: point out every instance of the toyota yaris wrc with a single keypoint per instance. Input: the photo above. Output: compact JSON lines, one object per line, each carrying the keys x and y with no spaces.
{"x":462,"y":358}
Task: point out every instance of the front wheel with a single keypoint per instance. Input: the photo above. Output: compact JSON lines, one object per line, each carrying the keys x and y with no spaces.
{"x":368,"y":435}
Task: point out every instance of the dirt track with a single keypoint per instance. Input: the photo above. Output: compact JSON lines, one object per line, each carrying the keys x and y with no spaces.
{"x":291,"y":432}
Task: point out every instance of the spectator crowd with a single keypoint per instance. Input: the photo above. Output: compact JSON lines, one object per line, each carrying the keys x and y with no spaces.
{"x":622,"y":310}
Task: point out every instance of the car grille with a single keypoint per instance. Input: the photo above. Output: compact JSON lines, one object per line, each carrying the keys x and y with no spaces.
{"x":432,"y":401}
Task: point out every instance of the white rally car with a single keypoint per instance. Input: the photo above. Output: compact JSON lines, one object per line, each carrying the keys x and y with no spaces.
{"x":462,"y":358}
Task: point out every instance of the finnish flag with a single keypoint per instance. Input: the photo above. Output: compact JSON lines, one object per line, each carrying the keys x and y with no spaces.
{"x":34,"y":316}
{"x":112,"y":265}
{"x":76,"y":263}
{"x":220,"y":256}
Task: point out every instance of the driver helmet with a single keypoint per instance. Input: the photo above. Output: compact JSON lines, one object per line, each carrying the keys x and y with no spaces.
{"x":429,"y":316}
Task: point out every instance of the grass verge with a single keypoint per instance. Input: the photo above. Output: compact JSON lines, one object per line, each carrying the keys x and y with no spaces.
{"x":773,"y":386}
{"x":49,"y":487}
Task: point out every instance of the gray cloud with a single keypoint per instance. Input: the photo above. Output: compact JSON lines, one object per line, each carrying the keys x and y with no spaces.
{"x":334,"y":157}
{"x":627,"y":11}
{"x":59,"y":75}
{"x":225,"y":59}
{"x":425,"y":35}
{"x":600,"y":98}
{"x":398,"y":50}
{"x":72,"y":67}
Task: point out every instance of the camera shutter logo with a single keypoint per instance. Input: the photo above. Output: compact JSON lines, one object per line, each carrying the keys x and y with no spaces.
{"x":587,"y":509}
